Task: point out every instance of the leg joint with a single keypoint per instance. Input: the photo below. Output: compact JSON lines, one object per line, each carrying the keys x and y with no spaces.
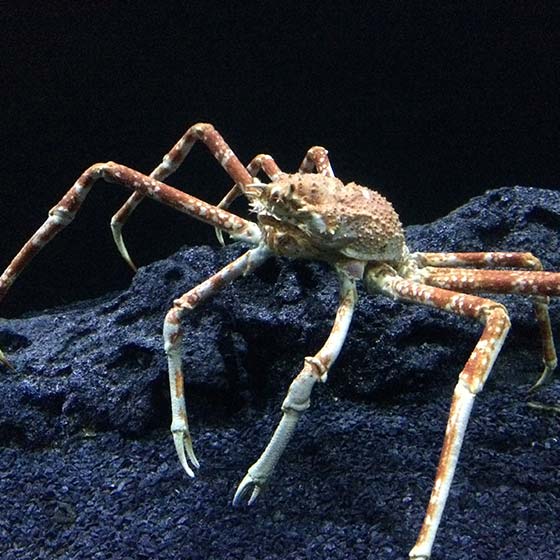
{"x":319,"y":368}
{"x":498,"y":313}
{"x":172,"y":331}
{"x":61,"y":215}
{"x":299,"y":392}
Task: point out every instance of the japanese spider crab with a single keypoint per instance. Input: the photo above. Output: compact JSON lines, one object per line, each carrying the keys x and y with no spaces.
{"x":313,"y":215}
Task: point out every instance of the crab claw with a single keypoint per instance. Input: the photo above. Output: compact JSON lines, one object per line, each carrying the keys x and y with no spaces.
{"x":244,"y":488}
{"x":183,"y":442}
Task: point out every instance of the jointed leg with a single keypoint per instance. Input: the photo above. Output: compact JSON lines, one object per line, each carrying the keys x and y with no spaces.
{"x":489,"y":259}
{"x":65,"y":210}
{"x":266,"y":164}
{"x":471,"y":380}
{"x":537,"y":284}
{"x":202,"y":132}
{"x":261,"y":162}
{"x":173,"y":334}
{"x":456,"y":280}
{"x":316,"y":159}
{"x":297,"y":400}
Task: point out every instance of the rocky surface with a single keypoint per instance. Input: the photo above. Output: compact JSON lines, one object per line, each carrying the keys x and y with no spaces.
{"x":88,"y":469}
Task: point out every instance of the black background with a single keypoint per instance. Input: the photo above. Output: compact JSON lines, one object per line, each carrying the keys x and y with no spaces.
{"x":429,"y":105}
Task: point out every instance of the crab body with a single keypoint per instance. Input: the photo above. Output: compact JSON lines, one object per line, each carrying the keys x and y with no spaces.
{"x":319,"y":217}
{"x":313,"y":215}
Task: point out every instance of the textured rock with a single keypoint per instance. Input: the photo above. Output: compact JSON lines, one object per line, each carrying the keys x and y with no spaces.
{"x":87,"y":460}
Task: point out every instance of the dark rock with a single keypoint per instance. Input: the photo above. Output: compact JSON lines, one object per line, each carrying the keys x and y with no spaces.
{"x":88,"y":467}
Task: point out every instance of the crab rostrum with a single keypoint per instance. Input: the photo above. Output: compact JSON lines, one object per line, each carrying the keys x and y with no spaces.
{"x":313,"y":215}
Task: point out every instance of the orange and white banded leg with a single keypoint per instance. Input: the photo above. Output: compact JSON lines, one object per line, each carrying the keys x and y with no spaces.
{"x":492,"y":259}
{"x":217,"y":146}
{"x":489,"y":259}
{"x":173,"y":335}
{"x":496,"y":323}
{"x":261,"y":162}
{"x":537,"y":284}
{"x":65,"y":210}
{"x":297,"y":400}
{"x":317,"y":160}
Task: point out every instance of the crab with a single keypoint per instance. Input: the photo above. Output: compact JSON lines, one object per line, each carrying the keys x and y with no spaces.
{"x":311,"y":214}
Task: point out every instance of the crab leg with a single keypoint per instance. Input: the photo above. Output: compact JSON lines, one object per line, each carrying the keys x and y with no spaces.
{"x":538,"y":284}
{"x":483,"y":259}
{"x":261,"y":162}
{"x":494,"y":259}
{"x":217,"y":146}
{"x":65,"y":210}
{"x":297,"y":400}
{"x":173,"y":335}
{"x":317,"y":159}
{"x":496,"y":323}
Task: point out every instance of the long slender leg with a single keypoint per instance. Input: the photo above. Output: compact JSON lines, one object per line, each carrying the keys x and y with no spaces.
{"x":297,"y":400}
{"x":65,"y":210}
{"x":173,"y":335}
{"x":497,"y":259}
{"x":261,"y":162}
{"x":484,"y":259}
{"x":537,"y":284}
{"x":496,"y":323}
{"x":202,"y":132}
{"x":317,"y":159}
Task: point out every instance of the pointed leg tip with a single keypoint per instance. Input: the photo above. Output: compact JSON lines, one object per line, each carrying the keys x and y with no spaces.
{"x":247,"y":485}
{"x":180,"y":444}
{"x":187,"y":444}
{"x":193,"y":460}
{"x":239,"y":493}
{"x":4,"y":361}
{"x":539,"y":384}
{"x":544,"y":378}
{"x":542,"y":381}
{"x":121,"y":247}
{"x":238,"y":498}
{"x":533,"y":388}
{"x":186,"y":467}
{"x":129,"y":261}
{"x":220,"y":237}
{"x":254,"y":495}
